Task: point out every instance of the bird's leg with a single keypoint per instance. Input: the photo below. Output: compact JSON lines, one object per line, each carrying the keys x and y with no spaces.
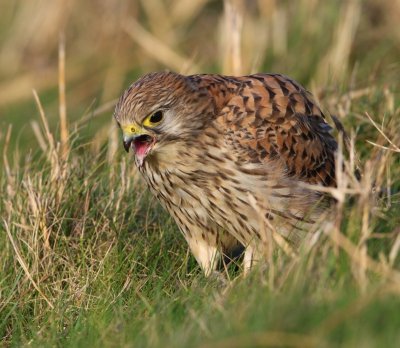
{"x":205,"y":253}
{"x":252,"y":256}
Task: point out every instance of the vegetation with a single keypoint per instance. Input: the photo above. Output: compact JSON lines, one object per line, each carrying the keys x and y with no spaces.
{"x":88,"y":257}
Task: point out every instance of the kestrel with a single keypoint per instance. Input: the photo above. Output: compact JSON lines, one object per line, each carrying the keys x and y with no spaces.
{"x":205,"y":144}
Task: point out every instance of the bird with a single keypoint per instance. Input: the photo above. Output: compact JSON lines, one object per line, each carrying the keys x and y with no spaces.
{"x":208,"y":145}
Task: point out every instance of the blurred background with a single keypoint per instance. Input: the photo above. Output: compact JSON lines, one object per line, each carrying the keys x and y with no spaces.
{"x":332,"y":47}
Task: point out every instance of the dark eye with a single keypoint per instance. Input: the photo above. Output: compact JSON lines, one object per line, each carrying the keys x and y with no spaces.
{"x":156,"y":117}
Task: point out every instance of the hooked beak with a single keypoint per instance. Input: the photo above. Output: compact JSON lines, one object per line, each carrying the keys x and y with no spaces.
{"x":127,"y":140}
{"x":130,"y":132}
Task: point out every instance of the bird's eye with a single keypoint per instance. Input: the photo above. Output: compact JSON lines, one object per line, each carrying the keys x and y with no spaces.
{"x":153,"y":119}
{"x":156,"y":117}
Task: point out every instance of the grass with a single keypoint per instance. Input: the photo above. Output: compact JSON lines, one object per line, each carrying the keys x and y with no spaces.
{"x":88,"y":257}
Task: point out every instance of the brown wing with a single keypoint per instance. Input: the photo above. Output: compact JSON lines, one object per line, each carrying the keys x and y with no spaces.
{"x":269,"y":116}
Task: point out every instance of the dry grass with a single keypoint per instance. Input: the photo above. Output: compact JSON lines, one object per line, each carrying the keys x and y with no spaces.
{"x":86,"y":255}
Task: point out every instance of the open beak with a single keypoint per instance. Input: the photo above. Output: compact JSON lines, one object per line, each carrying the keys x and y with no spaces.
{"x":140,"y":143}
{"x":137,"y":141}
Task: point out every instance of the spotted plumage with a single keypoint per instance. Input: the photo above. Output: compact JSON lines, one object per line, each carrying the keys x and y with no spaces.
{"x":206,"y":143}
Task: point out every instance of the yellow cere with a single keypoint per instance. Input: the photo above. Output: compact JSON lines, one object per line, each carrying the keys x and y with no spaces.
{"x":131,"y":129}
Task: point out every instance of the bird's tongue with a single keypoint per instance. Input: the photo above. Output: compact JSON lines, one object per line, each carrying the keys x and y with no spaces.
{"x":141,"y":149}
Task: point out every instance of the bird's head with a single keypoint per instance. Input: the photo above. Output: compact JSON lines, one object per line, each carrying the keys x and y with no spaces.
{"x":158,"y":110}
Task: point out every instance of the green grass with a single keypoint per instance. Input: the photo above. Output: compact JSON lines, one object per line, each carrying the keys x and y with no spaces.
{"x":89,"y":258}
